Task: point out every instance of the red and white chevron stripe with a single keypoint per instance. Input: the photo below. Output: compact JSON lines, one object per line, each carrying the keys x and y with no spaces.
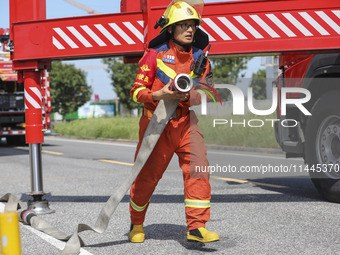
{"x":33,"y":98}
{"x":283,"y":25}
{"x":260,"y":26}
{"x":102,"y":35}
{"x":12,"y":132}
{"x":45,"y":86}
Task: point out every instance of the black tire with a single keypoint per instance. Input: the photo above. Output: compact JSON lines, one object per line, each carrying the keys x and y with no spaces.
{"x":16,"y":140}
{"x":322,"y":145}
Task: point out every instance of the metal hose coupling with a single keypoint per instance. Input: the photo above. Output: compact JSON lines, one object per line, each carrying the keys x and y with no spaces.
{"x":26,"y":216}
{"x":183,"y":83}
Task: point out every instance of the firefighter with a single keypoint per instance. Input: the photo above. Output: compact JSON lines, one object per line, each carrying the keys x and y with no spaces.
{"x":175,"y":50}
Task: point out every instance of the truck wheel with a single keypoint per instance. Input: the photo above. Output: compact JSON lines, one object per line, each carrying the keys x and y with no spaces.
{"x":322,"y":146}
{"x":16,"y":140}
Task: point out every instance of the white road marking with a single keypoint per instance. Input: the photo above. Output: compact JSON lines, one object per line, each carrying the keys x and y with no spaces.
{"x":91,"y":142}
{"x":241,"y":154}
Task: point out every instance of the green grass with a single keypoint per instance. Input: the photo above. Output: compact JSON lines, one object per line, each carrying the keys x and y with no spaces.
{"x":127,"y":128}
{"x":115,"y":128}
{"x":237,"y":134}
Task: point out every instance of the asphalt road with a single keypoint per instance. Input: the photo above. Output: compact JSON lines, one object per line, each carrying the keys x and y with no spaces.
{"x":261,"y":203}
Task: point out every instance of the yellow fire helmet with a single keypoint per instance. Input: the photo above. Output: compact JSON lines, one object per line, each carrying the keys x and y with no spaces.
{"x":179,"y":10}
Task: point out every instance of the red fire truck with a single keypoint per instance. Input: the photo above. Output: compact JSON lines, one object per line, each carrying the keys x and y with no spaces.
{"x":12,"y":98}
{"x":316,"y":138}
{"x":12,"y":105}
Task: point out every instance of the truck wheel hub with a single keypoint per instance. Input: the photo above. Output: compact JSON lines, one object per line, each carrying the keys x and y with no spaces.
{"x":330,"y":144}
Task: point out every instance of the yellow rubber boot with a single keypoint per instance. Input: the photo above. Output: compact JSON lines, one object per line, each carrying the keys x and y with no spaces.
{"x":137,"y":234}
{"x":202,"y":235}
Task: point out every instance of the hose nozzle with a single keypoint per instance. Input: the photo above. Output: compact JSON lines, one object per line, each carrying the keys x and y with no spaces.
{"x":183,"y":83}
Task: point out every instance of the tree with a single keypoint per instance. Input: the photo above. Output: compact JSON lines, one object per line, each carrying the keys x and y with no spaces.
{"x":226,"y":71}
{"x":69,"y":89}
{"x":258,"y":83}
{"x":123,"y":77}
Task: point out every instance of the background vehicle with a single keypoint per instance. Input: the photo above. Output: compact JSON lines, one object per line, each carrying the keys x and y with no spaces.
{"x":12,"y":97}
{"x":12,"y":104}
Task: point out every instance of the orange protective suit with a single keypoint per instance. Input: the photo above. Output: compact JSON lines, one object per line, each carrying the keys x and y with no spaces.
{"x":181,"y":136}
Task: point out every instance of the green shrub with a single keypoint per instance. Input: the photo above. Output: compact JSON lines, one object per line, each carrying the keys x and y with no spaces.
{"x":127,"y":128}
{"x":115,"y":128}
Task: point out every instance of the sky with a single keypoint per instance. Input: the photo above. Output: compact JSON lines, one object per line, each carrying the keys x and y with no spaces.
{"x":97,"y":76}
